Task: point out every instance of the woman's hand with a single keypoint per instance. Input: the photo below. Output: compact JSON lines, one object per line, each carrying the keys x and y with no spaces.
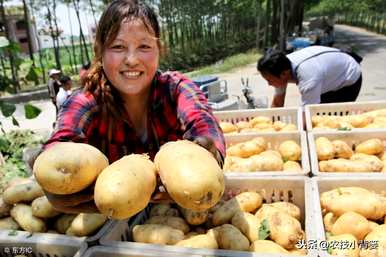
{"x":209,"y":145}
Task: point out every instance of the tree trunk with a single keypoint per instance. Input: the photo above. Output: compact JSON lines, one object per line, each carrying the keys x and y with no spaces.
{"x":53,"y":36}
{"x":283,"y":36}
{"x":82,"y":38}
{"x":27,"y":20}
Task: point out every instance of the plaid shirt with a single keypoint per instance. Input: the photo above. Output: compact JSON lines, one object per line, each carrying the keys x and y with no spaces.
{"x":177,"y":110}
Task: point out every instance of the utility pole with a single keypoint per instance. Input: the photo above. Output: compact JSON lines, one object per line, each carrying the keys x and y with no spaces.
{"x":283,"y":33}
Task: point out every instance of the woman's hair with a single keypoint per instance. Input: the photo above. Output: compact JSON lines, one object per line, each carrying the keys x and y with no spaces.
{"x":64,"y":79}
{"x":109,"y":24}
{"x":273,"y":62}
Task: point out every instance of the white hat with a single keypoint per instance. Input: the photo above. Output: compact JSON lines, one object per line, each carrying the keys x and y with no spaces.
{"x":53,"y":71}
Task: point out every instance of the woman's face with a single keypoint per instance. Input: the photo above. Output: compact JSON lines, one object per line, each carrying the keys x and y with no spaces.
{"x":131,"y":60}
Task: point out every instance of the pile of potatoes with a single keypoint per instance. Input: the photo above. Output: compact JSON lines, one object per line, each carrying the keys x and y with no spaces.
{"x":23,"y":206}
{"x":241,"y":223}
{"x":340,"y":156}
{"x":256,"y":124}
{"x":353,"y":214}
{"x":254,"y":155}
{"x":371,"y":119}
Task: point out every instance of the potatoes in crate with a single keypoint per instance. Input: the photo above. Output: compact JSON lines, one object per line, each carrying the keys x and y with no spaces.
{"x":254,"y":155}
{"x":339,"y":156}
{"x":240,"y":223}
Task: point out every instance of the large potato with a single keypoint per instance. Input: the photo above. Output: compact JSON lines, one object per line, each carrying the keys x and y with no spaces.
{"x":22,"y":193}
{"x":342,"y":149}
{"x":336,"y":245}
{"x":266,"y":246}
{"x":22,"y":213}
{"x":190,"y":183}
{"x":344,"y":165}
{"x":290,"y":150}
{"x":371,"y":146}
{"x":292,"y":166}
{"x":373,"y":161}
{"x":267,"y":161}
{"x":68,"y":167}
{"x":248,"y":224}
{"x":157,"y":234}
{"x":85,"y":224}
{"x":246,"y":201}
{"x":284,"y":229}
{"x":259,"y":120}
{"x":328,"y":221}
{"x":248,"y":148}
{"x":125,"y":187}
{"x":194,"y":217}
{"x":4,"y":207}
{"x":174,"y":222}
{"x":230,"y":238}
{"x":228,"y":127}
{"x":42,"y":208}
{"x":356,"y":199}
{"x":207,"y":241}
{"x":351,"y":223}
{"x":163,"y":209}
{"x":243,"y":125}
{"x":324,"y":149}
{"x":358,"y":121}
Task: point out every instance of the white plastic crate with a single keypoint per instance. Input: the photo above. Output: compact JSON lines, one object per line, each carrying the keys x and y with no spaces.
{"x":351,"y":137}
{"x":273,"y":189}
{"x":340,"y":109}
{"x":46,"y":244}
{"x":288,"y":115}
{"x":273,"y":140}
{"x":323,"y":184}
{"x":108,"y":251}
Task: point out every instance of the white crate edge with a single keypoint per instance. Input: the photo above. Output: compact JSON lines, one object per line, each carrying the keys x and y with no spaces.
{"x":42,"y":244}
{"x":360,"y":134}
{"x":309,"y":214}
{"x":312,"y":109}
{"x":305,"y":162}
{"x":340,"y":181}
{"x":296,"y":112}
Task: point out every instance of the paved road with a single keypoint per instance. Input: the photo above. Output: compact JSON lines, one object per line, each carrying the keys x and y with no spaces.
{"x":372,"y":47}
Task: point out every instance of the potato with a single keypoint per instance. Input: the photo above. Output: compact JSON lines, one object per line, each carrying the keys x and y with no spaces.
{"x":316,"y":119}
{"x":358,"y":121}
{"x":194,"y":217}
{"x":174,"y":222}
{"x":64,"y":222}
{"x":324,"y":149}
{"x":246,"y":201}
{"x":247,"y":223}
{"x":163,"y":209}
{"x":344,"y":165}
{"x":290,"y":150}
{"x":351,"y":223}
{"x":9,"y":223}
{"x":264,"y":126}
{"x":85,"y":224}
{"x":329,"y":220}
{"x":371,"y":146}
{"x":227,"y":127}
{"x":287,"y":207}
{"x":259,"y":120}
{"x":342,"y":149}
{"x":243,"y":125}
{"x":336,"y":243}
{"x":356,"y":199}
{"x":284,"y":229}
{"x":68,"y":167}
{"x":22,"y":214}
{"x":292,"y":166}
{"x":22,"y":193}
{"x":207,"y":241}
{"x":373,"y":161}
{"x":42,"y":208}
{"x":372,"y":225}
{"x":266,"y":246}
{"x":19,"y":180}
{"x":189,"y":183}
{"x":4,"y":207}
{"x":230,"y":238}
{"x":289,"y":127}
{"x":157,"y":234}
{"x":125,"y":187}
{"x":375,"y":113}
{"x":378,"y":235}
{"x":248,"y":148}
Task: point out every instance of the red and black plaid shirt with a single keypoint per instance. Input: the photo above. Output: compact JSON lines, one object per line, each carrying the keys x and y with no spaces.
{"x":178,"y":110}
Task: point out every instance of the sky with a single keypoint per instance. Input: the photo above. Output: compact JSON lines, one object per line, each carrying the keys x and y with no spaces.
{"x":62,"y":14}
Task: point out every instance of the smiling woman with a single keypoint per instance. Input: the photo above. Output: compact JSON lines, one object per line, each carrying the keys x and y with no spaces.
{"x":127,"y":104}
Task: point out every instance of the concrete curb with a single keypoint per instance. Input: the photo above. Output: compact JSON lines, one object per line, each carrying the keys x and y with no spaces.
{"x":26,"y":97}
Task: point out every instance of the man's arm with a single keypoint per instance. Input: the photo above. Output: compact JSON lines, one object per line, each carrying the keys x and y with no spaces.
{"x":278,"y":100}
